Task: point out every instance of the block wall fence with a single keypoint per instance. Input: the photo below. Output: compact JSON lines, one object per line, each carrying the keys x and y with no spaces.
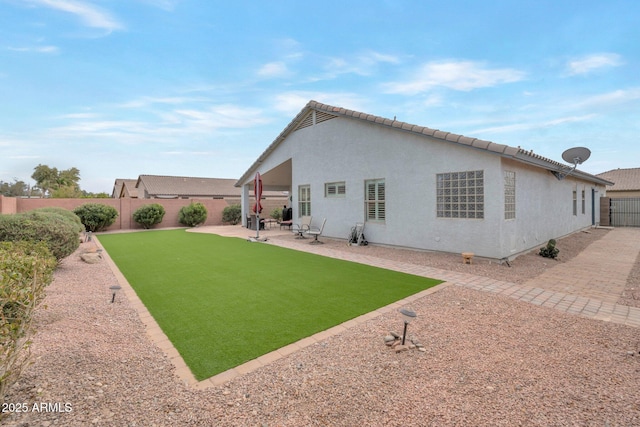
{"x":127,"y":206}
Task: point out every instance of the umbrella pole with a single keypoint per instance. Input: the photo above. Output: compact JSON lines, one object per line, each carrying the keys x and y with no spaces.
{"x":257,"y":224}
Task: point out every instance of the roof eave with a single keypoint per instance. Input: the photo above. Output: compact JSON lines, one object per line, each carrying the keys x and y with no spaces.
{"x":281,"y":137}
{"x":506,"y":151}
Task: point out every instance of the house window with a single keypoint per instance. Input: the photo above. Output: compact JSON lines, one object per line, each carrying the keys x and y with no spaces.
{"x":509,"y":195}
{"x":583,"y":200}
{"x":375,"y":200}
{"x":335,"y":189}
{"x":304,"y":200}
{"x":575,"y":202}
{"x":460,"y":194}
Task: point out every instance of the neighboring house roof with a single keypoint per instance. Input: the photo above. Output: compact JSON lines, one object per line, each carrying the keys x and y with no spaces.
{"x":624,"y":179}
{"x":119,"y":187}
{"x":160,"y":186}
{"x":328,"y":112}
{"x":129,"y":188}
{"x":183,"y":186}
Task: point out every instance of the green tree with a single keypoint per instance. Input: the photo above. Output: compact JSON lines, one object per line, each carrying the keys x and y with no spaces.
{"x":45,"y":177}
{"x":49,"y":180}
{"x":89,"y":195}
{"x":69,"y":178}
{"x":66,"y":192}
{"x":14,"y":189}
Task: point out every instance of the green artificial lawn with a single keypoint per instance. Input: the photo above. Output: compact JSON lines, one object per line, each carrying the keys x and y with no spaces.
{"x":223,"y":301}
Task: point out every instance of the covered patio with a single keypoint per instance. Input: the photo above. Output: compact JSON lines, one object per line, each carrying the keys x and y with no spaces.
{"x":275,"y":179}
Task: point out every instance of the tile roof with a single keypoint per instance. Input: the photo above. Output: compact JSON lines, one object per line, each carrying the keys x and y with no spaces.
{"x":514,"y":153}
{"x":120,"y":183}
{"x":129,"y":186}
{"x":158,"y":185}
{"x":624,"y":179}
{"x":186,"y":186}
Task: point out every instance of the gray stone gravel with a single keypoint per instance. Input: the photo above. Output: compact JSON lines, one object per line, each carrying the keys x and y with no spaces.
{"x":490,"y":361}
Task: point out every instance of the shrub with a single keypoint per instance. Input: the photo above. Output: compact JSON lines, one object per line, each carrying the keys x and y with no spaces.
{"x":276,"y":214}
{"x":192,"y":215}
{"x":550,"y":251}
{"x":66,"y":213}
{"x":232,"y":214}
{"x":57,"y":232}
{"x":149,"y":215}
{"x":26,"y":268}
{"x":96,"y":216}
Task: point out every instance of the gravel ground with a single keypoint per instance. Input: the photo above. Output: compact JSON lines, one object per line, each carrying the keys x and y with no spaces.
{"x":523,"y":268}
{"x":489,"y":360}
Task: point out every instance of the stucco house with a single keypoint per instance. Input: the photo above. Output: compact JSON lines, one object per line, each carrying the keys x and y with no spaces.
{"x":626,"y":182}
{"x":422,"y":188}
{"x":622,"y":203}
{"x":124,"y":188}
{"x":187,"y":187}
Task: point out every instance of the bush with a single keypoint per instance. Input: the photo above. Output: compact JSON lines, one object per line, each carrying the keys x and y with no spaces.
{"x":276,"y":214}
{"x":550,"y":251}
{"x":96,"y":216}
{"x":149,"y":215}
{"x":66,"y":213}
{"x":232,"y":214}
{"x":57,"y":232}
{"x":26,"y":268}
{"x":192,"y":215}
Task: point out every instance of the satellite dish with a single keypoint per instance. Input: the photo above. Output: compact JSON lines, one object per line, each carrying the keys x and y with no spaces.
{"x":576,"y":156}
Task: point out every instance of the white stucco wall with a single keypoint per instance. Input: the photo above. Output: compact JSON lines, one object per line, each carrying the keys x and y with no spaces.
{"x":544,"y":208}
{"x":350,"y":151}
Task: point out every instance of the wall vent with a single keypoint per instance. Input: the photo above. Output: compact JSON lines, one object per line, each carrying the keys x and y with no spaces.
{"x":314,"y":117}
{"x":321,"y":116}
{"x":306,"y":122}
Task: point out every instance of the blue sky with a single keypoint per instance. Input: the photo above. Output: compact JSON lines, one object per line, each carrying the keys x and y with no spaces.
{"x":119,"y":88}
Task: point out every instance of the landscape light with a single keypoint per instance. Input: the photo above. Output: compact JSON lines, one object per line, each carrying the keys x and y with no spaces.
{"x":114,"y":289}
{"x":408,"y":316}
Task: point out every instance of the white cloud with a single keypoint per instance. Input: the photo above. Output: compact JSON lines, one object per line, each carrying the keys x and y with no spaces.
{"x":220,"y":116}
{"x":75,"y":116}
{"x":168,"y":5}
{"x":593,"y":62}
{"x":291,"y":103}
{"x":89,"y":14}
{"x":274,"y":70}
{"x":158,"y":127}
{"x":36,"y":49}
{"x":362,"y":64}
{"x":617,"y":97}
{"x":456,"y":75}
{"x":167,"y":100}
{"x":535,"y":125}
{"x":373,"y":57}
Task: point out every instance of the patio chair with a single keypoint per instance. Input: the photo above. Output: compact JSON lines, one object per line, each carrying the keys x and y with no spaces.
{"x":315,"y":232}
{"x":299,"y":229}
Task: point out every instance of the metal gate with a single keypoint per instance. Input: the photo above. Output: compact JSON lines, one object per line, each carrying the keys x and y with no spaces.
{"x":624,"y":212}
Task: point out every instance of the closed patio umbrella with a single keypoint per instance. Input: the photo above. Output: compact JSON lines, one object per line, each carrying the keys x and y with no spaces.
{"x":257,"y":187}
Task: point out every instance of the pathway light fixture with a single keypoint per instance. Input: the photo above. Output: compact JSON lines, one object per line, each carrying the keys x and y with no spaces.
{"x":114,"y":290}
{"x":408,"y":316}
